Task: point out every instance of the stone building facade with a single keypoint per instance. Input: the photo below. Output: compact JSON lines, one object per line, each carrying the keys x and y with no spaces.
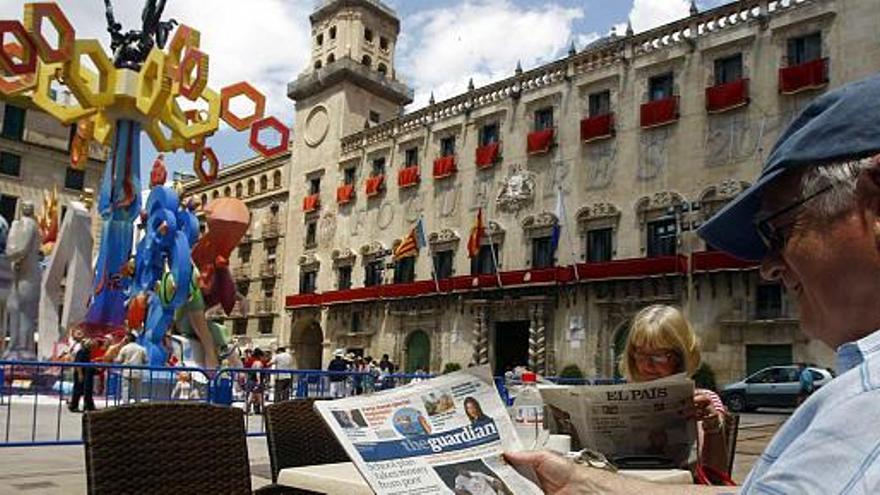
{"x":624,"y":148}
{"x":257,"y":263}
{"x":34,"y":158}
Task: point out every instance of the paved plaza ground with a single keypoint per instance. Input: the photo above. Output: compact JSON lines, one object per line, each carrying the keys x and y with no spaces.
{"x":61,"y":470}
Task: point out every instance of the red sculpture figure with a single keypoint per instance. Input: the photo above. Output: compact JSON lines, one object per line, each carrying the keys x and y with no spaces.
{"x":159,"y":173}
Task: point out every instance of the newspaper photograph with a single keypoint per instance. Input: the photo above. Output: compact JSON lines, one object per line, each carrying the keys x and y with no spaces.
{"x":444,"y":435}
{"x":638,"y":419}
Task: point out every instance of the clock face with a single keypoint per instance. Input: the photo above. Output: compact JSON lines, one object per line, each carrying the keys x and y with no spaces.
{"x":317,"y":125}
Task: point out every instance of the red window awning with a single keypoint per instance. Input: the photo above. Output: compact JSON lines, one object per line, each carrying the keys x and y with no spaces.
{"x":487,"y":155}
{"x":540,"y":141}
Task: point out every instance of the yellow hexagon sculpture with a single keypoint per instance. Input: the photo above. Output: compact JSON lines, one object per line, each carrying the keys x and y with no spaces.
{"x":154,"y":85}
{"x":67,"y":114}
{"x":189,"y":129}
{"x":93,"y":90}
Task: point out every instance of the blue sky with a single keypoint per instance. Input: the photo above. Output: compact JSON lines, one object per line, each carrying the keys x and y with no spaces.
{"x":443,"y":43}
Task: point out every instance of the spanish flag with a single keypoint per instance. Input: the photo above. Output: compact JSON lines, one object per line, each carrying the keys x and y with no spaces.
{"x":476,"y":236}
{"x":410,"y":245}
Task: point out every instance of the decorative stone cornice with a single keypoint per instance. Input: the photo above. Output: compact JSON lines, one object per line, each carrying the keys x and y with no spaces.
{"x":724,"y":191}
{"x":373,"y":249}
{"x":344,"y":256}
{"x":658,"y":201}
{"x":597,"y":211}
{"x":444,"y":239}
{"x":540,"y":220}
{"x":308,"y":260}
{"x":494,"y":231}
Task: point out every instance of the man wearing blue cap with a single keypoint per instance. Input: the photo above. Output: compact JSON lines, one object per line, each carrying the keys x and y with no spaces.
{"x":813,"y":220}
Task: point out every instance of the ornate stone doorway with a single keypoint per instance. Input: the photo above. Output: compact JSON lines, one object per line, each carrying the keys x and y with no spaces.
{"x":418,"y":352}
{"x":307,"y":342}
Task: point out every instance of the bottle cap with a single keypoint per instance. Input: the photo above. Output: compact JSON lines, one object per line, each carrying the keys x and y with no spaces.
{"x":529,"y":377}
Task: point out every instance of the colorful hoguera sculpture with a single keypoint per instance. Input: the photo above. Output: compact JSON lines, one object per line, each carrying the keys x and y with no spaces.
{"x":155,"y":83}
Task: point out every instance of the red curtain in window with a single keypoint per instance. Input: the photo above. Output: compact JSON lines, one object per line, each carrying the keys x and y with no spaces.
{"x":375,"y":185}
{"x":659,"y":112}
{"x":408,"y":176}
{"x":540,"y":141}
{"x":727,"y":96}
{"x":487,"y":155}
{"x":444,"y":167}
{"x":809,"y":75}
{"x":311,"y":202}
{"x":598,"y":127}
{"x":344,"y":194}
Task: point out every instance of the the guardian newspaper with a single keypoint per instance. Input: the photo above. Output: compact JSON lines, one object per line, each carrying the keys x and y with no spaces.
{"x":445,"y":435}
{"x":639,"y":419}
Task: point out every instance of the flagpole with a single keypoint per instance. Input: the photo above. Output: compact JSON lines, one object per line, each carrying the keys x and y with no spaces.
{"x":433,"y":261}
{"x":494,"y":260}
{"x":577,"y":275}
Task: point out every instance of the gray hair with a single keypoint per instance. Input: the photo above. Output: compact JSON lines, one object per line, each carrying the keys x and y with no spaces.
{"x":842,"y":176}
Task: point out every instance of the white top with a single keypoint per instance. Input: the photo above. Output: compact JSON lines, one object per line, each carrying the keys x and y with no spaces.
{"x":132,"y":354}
{"x":283,"y":361}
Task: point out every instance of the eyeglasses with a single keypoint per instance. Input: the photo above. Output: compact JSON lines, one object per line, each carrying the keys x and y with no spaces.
{"x":658,"y":358}
{"x":775,"y":236}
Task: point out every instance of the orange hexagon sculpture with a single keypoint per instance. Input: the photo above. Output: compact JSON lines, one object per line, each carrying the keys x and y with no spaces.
{"x":28,"y":58}
{"x":34,"y":15}
{"x":261,"y":148}
{"x":16,"y":84}
{"x":201,"y":155}
{"x":185,"y":38}
{"x":191,"y":87}
{"x":228,"y":93}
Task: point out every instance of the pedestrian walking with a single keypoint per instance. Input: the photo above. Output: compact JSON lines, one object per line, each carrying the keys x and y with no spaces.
{"x":282,"y":361}
{"x":132,"y":354}
{"x":84,"y":378}
{"x":805,"y":377}
{"x":337,"y":369}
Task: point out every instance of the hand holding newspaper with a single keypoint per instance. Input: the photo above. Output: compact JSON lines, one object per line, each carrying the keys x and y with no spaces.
{"x":444,"y":435}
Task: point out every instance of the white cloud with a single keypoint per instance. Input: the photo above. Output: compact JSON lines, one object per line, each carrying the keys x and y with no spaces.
{"x":442,"y":48}
{"x":264,"y":42}
{"x":648,"y":14}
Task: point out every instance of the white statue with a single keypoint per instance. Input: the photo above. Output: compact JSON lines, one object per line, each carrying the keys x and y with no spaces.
{"x":22,"y":308}
{"x":517,"y":190}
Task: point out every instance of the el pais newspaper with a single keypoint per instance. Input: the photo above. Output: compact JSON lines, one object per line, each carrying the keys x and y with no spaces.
{"x":637,"y":419}
{"x":444,"y":435}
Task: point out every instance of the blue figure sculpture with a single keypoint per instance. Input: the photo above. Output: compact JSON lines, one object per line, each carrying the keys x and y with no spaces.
{"x":163,"y":266}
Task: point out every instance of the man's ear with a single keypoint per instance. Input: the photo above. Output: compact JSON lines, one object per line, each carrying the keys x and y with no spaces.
{"x":868,"y":194}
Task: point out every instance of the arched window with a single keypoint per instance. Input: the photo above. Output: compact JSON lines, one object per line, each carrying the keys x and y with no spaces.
{"x":317,"y":64}
{"x":204,"y":200}
{"x":251,"y":187}
{"x":264,"y":183}
{"x":227,"y":191}
{"x":331,"y":58}
{"x":215,"y":194}
{"x":276,"y":179}
{"x":239,"y":190}
{"x":367,"y":61}
{"x":383,"y":69}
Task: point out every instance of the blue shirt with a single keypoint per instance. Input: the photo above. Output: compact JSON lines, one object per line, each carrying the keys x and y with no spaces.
{"x":806,"y":379}
{"x":831,"y":444}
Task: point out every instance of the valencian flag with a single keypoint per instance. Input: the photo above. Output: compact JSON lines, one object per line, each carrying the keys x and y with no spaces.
{"x":413,"y":241}
{"x":476,"y":236}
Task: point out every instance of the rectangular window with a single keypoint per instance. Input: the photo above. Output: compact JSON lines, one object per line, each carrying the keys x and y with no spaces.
{"x":411,"y":157}
{"x":13,"y":122}
{"x":443,"y":263}
{"x":332,"y":32}
{"x":600,"y":103}
{"x":271,"y":253}
{"x":308,"y":281}
{"x":244,"y":254}
{"x":355,"y":321}
{"x":74,"y":179}
{"x":10,"y":164}
{"x":311,"y":235}
{"x":343,"y":277}
{"x":405,"y":270}
{"x":768,"y":302}
{"x":660,"y":87}
{"x":728,"y":69}
{"x":315,"y":185}
{"x":542,"y":252}
{"x":375,"y":118}
{"x":804,"y":49}
{"x":368,"y":34}
{"x":349,"y":176}
{"x":662,"y":238}
{"x":239,"y":327}
{"x":379,"y":166}
{"x":544,"y":118}
{"x":489,"y":134}
{"x":447,"y":146}
{"x":599,"y":245}
{"x":383,"y":43}
{"x":373,"y":273}
{"x":484,"y":262}
{"x":320,"y":39}
{"x":265,"y":326}
{"x":7,"y":207}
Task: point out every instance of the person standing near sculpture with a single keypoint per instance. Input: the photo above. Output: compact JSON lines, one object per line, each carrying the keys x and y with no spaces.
{"x":22,"y":307}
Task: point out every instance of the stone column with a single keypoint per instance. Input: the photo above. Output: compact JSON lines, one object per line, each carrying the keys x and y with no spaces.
{"x":481,"y":337}
{"x":537,"y":340}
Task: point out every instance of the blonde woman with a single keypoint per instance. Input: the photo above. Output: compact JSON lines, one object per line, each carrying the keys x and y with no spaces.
{"x":662,"y":343}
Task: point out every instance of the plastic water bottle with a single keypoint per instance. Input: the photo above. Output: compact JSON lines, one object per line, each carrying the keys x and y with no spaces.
{"x":528,"y":414}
